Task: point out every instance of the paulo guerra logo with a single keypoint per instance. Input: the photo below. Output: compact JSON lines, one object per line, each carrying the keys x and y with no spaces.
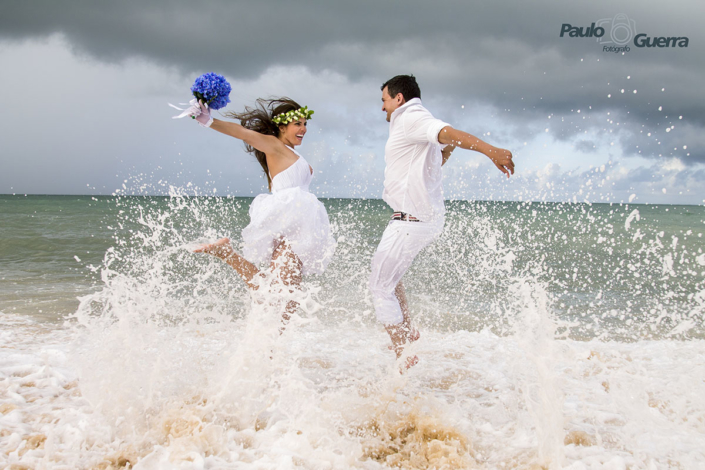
{"x":615,"y":35}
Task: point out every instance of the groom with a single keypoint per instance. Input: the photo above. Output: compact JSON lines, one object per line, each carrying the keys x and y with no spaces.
{"x":418,"y":146}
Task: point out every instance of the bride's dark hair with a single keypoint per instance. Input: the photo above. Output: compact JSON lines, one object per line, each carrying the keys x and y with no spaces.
{"x":259,"y":119}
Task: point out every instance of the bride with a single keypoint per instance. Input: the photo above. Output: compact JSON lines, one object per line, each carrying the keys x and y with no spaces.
{"x":289,"y":228}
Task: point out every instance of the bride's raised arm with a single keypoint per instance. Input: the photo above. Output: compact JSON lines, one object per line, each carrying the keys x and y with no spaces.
{"x":267,"y":144}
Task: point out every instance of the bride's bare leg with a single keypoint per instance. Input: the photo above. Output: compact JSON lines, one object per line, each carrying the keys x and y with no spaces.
{"x":223,"y":250}
{"x":288,"y":267}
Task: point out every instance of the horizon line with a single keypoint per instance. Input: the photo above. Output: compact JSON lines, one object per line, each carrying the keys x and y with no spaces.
{"x":362,"y":199}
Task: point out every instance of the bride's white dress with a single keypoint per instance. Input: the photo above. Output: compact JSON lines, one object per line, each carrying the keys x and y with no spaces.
{"x":290,"y":213}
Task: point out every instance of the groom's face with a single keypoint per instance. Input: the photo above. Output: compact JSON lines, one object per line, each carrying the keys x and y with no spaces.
{"x":390,"y":104}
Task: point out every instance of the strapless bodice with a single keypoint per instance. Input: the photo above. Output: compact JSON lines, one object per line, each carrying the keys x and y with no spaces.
{"x":298,"y":175}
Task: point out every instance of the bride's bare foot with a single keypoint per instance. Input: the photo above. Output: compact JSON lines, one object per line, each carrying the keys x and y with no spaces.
{"x":220,"y":248}
{"x":223,"y":250}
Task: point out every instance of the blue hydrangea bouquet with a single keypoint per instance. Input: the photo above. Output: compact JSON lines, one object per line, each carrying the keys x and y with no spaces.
{"x":212,"y":89}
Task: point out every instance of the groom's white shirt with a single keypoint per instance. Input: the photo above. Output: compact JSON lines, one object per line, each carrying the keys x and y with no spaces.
{"x":413,"y":177}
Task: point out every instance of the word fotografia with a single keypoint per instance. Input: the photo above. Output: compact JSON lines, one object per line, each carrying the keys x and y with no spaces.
{"x":616,"y":49}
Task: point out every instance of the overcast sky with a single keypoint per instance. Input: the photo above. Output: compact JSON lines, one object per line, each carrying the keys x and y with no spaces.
{"x":85,"y":87}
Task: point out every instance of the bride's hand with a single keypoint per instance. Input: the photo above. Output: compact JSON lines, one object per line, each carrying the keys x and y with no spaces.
{"x":202,"y":114}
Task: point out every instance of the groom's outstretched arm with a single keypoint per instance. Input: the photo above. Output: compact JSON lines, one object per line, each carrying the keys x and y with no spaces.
{"x":502,"y":158}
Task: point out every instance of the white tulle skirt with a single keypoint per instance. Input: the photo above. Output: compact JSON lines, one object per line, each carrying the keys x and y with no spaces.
{"x":295,"y":215}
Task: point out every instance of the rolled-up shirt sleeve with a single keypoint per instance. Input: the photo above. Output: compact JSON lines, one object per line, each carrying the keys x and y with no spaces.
{"x":422,"y":127}
{"x":434,"y":130}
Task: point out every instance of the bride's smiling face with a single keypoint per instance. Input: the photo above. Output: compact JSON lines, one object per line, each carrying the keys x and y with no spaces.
{"x":293,"y":133}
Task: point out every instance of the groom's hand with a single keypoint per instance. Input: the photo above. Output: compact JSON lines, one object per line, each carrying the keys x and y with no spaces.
{"x":502,"y":159}
{"x":445,"y":153}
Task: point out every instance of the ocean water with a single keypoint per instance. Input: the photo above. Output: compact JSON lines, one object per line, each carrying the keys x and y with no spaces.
{"x":553,"y":335}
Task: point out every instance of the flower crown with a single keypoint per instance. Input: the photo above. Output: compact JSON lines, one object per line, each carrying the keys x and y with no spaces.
{"x":293,"y":115}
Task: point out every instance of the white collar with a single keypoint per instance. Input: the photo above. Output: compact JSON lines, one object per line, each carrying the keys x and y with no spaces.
{"x":405,"y":106}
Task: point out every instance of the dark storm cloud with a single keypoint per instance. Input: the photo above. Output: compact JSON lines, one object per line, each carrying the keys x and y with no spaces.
{"x":508,"y":55}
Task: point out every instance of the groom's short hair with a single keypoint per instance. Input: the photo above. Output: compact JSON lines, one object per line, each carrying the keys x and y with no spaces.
{"x":404,"y":84}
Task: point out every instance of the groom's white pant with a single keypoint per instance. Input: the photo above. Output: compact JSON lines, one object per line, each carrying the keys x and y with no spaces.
{"x":401,"y":242}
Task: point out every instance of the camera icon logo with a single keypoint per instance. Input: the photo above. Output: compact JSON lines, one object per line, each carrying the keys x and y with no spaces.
{"x":621,"y":28}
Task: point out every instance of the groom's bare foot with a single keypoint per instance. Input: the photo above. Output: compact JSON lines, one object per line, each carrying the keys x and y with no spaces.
{"x":410,"y":362}
{"x":402,"y":335}
{"x":411,"y":336}
{"x":220,"y":248}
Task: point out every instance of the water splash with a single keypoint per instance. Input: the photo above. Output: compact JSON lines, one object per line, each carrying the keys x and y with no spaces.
{"x":536,"y":350}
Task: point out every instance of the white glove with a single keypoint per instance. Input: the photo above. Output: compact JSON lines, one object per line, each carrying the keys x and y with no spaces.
{"x":198,"y":111}
{"x":204,"y":115}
